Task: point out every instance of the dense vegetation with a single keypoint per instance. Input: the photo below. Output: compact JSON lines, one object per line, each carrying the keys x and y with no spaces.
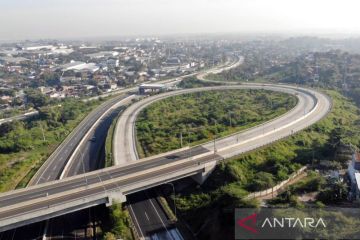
{"x":25,"y":145}
{"x":200,"y":117}
{"x":33,"y":99}
{"x":327,"y":191}
{"x":332,"y":70}
{"x":193,"y":82}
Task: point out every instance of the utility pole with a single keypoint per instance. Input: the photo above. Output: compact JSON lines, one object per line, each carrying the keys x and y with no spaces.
{"x":181,"y":139}
{"x":83,"y":165}
{"x":230,"y":118}
{"x":313,"y":158}
{"x":189,"y":145}
{"x":43,"y":134}
{"x":214,"y":144}
{"x":215,"y":136}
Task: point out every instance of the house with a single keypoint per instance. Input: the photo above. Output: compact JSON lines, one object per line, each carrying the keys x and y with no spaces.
{"x":144,"y":88}
{"x":80,"y":67}
{"x":172,"y":61}
{"x":104,"y":54}
{"x":354,"y":175}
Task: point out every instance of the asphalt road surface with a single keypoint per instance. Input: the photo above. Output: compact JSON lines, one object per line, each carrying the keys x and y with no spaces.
{"x":53,"y":167}
{"x":103,"y":177}
{"x":124,"y":137}
{"x":88,"y":158}
{"x":19,"y":117}
{"x":304,"y":116}
{"x":149,"y":218}
{"x":58,"y":194}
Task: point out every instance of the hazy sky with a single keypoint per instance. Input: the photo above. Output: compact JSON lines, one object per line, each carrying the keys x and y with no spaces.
{"x":20,"y":19}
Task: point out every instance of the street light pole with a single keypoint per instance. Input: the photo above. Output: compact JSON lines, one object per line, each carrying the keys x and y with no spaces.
{"x":189,"y":142}
{"x":215,"y":136}
{"x":43,"y":134}
{"x":181,"y":139}
{"x":82,"y":161}
{"x":230,"y":119}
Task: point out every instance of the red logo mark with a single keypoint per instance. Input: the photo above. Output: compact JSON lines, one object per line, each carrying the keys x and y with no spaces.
{"x":251,"y":218}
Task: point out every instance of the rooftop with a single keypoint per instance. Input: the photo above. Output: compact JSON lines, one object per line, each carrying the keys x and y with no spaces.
{"x":71,"y":65}
{"x":357,"y":156}
{"x":11,"y":59}
{"x":357,"y":178}
{"x":152,"y":85}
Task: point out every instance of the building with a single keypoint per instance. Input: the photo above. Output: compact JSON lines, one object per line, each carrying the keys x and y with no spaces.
{"x":144,"y":88}
{"x":13,"y":60}
{"x":80,"y":67}
{"x":354,"y":175}
{"x":172,"y":61}
{"x":103,"y":54}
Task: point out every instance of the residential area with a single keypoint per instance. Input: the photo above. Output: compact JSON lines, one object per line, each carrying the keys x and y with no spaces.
{"x":78,"y":70}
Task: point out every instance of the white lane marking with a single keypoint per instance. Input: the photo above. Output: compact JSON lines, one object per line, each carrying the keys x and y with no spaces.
{"x":37,"y":195}
{"x":136,"y":221}
{"x":167,"y":231}
{"x":147,"y":217}
{"x":45,"y":230}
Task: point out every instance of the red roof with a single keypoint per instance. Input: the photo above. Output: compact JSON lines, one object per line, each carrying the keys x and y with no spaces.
{"x":357,"y":156}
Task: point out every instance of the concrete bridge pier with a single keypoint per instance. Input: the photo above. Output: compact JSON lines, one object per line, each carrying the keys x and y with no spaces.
{"x":201,"y":177}
{"x":115,"y":197}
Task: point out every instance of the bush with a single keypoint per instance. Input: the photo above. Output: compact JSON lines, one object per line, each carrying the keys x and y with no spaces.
{"x":119,"y":219}
{"x":262,"y":181}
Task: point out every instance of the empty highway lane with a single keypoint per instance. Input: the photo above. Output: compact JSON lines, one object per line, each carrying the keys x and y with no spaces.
{"x":19,"y":204}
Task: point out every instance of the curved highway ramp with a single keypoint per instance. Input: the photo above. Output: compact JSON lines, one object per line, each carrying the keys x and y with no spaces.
{"x":36,"y":203}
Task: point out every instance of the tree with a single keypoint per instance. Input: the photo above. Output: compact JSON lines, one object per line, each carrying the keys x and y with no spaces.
{"x":51,"y":115}
{"x":109,"y":236}
{"x":335,"y":192}
{"x":17,"y":102}
{"x":336,"y":136}
{"x":51,"y":78}
{"x":263,"y":180}
{"x":7,"y":127}
{"x":119,"y":220}
{"x":36,"y":98}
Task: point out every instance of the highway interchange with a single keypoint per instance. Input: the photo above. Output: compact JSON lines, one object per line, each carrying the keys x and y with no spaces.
{"x":76,"y":154}
{"x":312,"y":106}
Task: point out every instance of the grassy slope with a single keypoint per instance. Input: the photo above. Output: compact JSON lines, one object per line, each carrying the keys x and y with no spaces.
{"x":201,"y":116}
{"x":17,"y":168}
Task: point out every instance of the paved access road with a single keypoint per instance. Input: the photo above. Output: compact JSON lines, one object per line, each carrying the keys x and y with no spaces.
{"x":98,"y":184}
{"x":54,"y":165}
{"x":145,"y":211}
{"x":149,"y":218}
{"x":86,"y":156}
{"x":125,"y":143}
{"x":71,"y":158}
{"x":19,"y":117}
